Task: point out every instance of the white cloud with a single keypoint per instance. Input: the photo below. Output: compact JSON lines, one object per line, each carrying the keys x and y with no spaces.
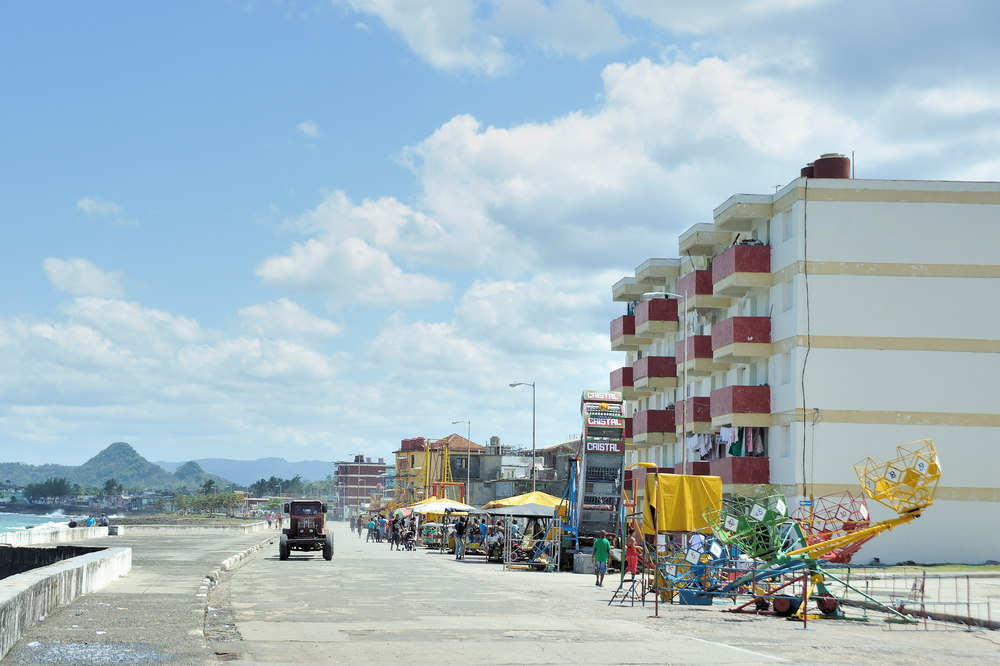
{"x":352,"y":253}
{"x":82,"y":277}
{"x":308,"y":127}
{"x":567,"y":27}
{"x":97,"y":207}
{"x":285,"y":318}
{"x":445,"y":33}
{"x":959,"y":101}
{"x":652,"y":160}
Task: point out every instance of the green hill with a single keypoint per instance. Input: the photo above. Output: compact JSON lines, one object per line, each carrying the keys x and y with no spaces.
{"x":119,"y":462}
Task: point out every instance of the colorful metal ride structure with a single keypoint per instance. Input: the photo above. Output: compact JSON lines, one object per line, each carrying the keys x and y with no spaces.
{"x":779,"y":562}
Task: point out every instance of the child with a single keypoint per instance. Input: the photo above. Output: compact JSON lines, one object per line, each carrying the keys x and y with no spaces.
{"x":631,"y":556}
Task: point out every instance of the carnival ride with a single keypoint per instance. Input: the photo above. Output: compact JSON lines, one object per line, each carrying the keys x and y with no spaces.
{"x":780,"y":562}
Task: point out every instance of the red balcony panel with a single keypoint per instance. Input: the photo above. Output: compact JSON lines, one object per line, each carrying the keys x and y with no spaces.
{"x":696,"y":410}
{"x":654,"y":366}
{"x":699,"y":346}
{"x":621,"y":378}
{"x":742,"y":470}
{"x":628,"y":428}
{"x":624,"y":325}
{"x":654,"y":420}
{"x":741,"y":330}
{"x":696,"y":468}
{"x":741,"y":400}
{"x":741,"y":259}
{"x":696,"y":283}
{"x":656,"y":309}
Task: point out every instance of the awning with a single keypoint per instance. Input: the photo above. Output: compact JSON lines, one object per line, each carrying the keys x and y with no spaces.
{"x":677,"y":502}
{"x":534,"y":497}
{"x":522,"y":511}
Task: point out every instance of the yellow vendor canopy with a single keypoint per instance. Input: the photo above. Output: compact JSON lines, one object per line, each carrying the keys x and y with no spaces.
{"x":677,"y":502}
{"x":534,"y":497}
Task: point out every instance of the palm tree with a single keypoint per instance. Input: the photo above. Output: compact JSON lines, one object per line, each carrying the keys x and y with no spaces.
{"x":208,"y":487}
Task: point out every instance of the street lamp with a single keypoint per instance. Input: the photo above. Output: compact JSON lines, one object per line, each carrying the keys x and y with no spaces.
{"x":468,"y":461}
{"x":532,"y":385}
{"x":684,"y":388}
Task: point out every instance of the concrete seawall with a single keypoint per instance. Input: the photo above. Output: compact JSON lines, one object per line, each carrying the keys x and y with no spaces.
{"x":28,"y":597}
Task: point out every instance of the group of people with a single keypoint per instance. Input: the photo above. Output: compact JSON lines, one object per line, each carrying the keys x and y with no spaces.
{"x":400,"y":532}
{"x":89,"y":521}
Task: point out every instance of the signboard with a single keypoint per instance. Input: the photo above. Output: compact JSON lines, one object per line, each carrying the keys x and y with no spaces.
{"x":602,"y":396}
{"x":605,"y":447}
{"x":605,"y":422}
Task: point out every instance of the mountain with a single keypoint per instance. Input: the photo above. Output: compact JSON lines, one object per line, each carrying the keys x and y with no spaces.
{"x":246,"y":472}
{"x":119,"y":462}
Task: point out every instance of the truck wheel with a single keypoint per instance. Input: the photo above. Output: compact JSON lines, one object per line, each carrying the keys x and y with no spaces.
{"x":328,"y":548}
{"x":283,"y":547}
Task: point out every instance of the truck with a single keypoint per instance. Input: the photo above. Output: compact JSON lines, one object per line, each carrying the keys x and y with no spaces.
{"x":307,"y":530}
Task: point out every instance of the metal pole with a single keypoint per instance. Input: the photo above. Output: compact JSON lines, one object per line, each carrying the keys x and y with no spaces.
{"x":532,"y":385}
{"x":532,"y":436}
{"x":468,"y":460}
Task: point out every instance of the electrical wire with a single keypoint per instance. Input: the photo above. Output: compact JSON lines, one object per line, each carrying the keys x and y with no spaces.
{"x":805,"y":357}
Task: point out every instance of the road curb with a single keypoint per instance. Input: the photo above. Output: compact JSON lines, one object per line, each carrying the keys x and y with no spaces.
{"x":211,"y":579}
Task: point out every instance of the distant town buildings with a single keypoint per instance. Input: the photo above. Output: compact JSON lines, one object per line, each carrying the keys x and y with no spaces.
{"x":356,"y":482}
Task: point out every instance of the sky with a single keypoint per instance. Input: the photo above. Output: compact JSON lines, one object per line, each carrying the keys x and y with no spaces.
{"x":312,"y":229}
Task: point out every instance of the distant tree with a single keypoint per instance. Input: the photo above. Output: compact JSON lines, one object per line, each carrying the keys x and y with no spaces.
{"x":209,"y":487}
{"x":51,"y":487}
{"x":112,"y":487}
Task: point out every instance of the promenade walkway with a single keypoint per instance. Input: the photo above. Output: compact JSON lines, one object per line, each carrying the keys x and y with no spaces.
{"x":372,"y":605}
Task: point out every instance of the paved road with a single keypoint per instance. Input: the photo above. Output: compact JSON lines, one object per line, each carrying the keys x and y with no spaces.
{"x":373,"y":605}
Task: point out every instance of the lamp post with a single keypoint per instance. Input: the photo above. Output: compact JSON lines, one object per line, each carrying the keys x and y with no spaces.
{"x":684,"y":374}
{"x":532,"y":385}
{"x":468,"y":460}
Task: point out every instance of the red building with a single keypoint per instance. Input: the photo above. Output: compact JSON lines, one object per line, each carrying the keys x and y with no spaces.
{"x":357,"y":480}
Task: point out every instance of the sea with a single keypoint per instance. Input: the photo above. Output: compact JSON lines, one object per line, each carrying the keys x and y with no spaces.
{"x":13,"y":522}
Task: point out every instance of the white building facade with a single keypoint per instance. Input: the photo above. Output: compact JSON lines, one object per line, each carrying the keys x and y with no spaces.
{"x":829,"y":322}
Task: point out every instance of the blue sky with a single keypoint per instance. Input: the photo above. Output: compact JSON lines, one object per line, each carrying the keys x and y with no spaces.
{"x":310,"y":229}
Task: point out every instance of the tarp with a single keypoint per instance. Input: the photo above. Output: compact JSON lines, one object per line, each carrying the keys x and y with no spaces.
{"x":522,"y":511}
{"x":534,"y":497}
{"x":677,"y":502}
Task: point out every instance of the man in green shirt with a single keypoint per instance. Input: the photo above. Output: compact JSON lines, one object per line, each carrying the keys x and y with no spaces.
{"x":602,"y":550}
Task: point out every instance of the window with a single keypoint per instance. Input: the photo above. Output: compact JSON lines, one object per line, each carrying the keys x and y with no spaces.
{"x":786,"y":296}
{"x":787,"y":227}
{"x":786,"y":368}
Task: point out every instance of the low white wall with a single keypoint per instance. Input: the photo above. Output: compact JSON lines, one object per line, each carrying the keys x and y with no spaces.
{"x":26,"y":597}
{"x":51,"y":536}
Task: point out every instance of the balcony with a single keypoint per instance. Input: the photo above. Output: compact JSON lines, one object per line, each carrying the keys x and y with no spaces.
{"x":653,"y":426}
{"x":621,"y":380}
{"x":623,"y":337}
{"x":655,"y":273}
{"x":704,"y":240}
{"x":741,"y":471}
{"x":656,"y":317}
{"x":695,"y":416}
{"x":655,"y":373}
{"x":741,"y":339}
{"x":740,"y":269}
{"x":698,"y":290}
{"x":627,"y":290}
{"x":742,"y":406}
{"x":694,"y":353}
{"x":741,"y":212}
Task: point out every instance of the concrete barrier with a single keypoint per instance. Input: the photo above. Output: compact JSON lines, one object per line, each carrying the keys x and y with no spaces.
{"x":55,"y":536}
{"x":27,"y":597}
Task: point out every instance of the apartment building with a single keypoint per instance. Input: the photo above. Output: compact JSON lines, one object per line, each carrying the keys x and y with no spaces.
{"x":802,"y":331}
{"x":357,"y":481}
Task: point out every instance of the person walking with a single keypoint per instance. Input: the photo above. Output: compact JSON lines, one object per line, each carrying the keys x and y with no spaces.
{"x":372,"y":534}
{"x":460,"y":528}
{"x":602,"y":552}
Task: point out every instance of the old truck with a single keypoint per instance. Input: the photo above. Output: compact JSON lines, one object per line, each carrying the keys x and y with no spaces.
{"x":306,"y":529}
